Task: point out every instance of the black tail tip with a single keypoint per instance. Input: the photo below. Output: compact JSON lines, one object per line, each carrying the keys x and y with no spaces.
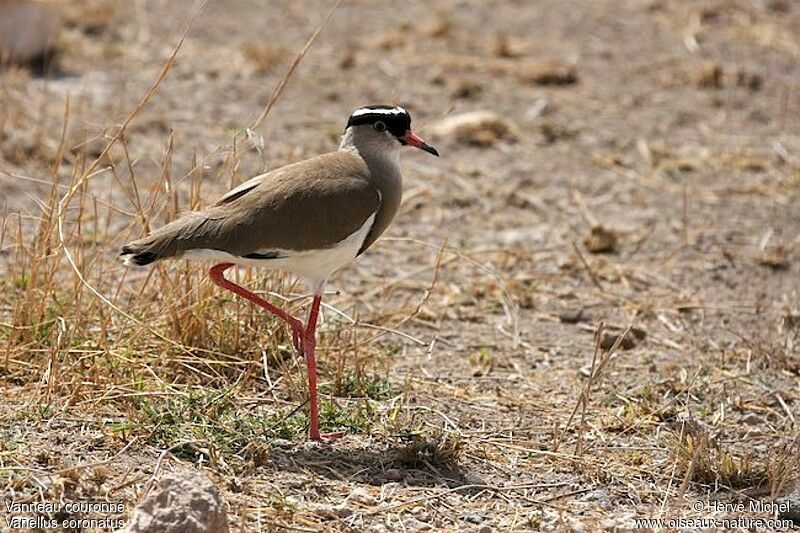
{"x":138,"y":259}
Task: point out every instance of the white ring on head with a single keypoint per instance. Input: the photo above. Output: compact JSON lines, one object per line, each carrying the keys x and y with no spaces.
{"x":380,"y":111}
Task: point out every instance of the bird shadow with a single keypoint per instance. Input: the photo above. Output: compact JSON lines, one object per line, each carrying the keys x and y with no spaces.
{"x":415,"y":461}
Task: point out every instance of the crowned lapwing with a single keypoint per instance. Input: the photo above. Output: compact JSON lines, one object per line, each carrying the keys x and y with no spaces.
{"x":310,"y":218}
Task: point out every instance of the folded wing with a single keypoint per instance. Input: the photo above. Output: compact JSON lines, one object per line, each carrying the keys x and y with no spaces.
{"x":311,"y":205}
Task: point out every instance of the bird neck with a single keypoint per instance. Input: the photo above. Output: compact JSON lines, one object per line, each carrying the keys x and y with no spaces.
{"x":381,"y":158}
{"x":383,"y":162}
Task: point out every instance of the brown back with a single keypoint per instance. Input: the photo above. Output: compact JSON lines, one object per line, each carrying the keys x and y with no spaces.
{"x":312,"y":204}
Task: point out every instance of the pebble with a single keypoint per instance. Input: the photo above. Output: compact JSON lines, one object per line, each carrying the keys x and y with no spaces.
{"x":362,"y":496}
{"x":473,"y":518}
{"x":281,"y":443}
{"x":477,"y":128}
{"x":577,"y":527}
{"x":601,"y":240}
{"x":332,"y":511}
{"x":793,"y":512}
{"x":628,"y":342}
{"x":412,"y":524}
{"x":539,"y":108}
{"x":183,"y":501}
{"x":600,"y":497}
{"x":393,"y":474}
{"x":571,"y":316}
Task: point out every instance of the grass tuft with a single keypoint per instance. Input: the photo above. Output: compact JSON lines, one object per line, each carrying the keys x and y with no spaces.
{"x":211,"y":420}
{"x":357,"y":385}
{"x":440,"y":449}
{"x":704,"y":460}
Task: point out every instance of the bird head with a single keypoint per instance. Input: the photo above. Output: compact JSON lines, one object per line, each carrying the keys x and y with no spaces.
{"x":388,"y":127}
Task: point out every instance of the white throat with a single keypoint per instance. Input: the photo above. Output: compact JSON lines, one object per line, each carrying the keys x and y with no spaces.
{"x":377,"y":150}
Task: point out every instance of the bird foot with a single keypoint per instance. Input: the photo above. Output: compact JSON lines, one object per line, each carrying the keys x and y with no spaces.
{"x":298,"y":345}
{"x":329,"y":437}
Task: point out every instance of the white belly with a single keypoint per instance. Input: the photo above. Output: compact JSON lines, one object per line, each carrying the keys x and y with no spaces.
{"x":312,"y":266}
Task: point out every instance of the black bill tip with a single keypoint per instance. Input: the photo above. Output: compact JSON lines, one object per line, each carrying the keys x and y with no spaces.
{"x":430,"y":149}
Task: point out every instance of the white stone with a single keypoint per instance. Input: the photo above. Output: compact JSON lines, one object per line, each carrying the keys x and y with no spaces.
{"x":481,"y":128}
{"x":183,"y":502}
{"x":362,"y":496}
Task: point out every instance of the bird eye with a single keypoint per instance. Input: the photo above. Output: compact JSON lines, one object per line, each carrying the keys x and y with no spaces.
{"x":379,"y":126}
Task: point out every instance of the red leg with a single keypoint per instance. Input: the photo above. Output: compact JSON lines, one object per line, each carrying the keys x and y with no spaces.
{"x":304,"y":340}
{"x":309,"y":346}
{"x":217,"y":274}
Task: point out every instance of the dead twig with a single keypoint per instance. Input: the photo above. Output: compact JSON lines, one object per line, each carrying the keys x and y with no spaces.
{"x":588,"y":268}
{"x":98,"y":463}
{"x":596,"y":370}
{"x":298,"y":58}
{"x":701,"y":447}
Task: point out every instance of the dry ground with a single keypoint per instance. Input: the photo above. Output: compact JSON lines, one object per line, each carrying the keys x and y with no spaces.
{"x":460,"y":353}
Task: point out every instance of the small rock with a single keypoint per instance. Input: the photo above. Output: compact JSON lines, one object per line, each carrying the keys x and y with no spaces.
{"x":791,"y":319}
{"x":571,"y":316}
{"x":332,"y":511}
{"x":577,"y":527}
{"x":421,"y":513}
{"x":412,"y":524}
{"x":793,"y":511}
{"x":466,"y":88}
{"x":601,"y":241}
{"x":393,"y":474}
{"x":752,"y":419}
{"x":186,"y":502}
{"x":362,"y":496}
{"x":539,"y":107}
{"x":685,"y":423}
{"x":754,"y":82}
{"x":473,"y":518}
{"x":776,"y":258}
{"x":600,"y":497}
{"x":553,"y":131}
{"x":630,"y":341}
{"x":348,"y":60}
{"x":710,"y":76}
{"x":477,"y":128}
{"x":551,"y":73}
